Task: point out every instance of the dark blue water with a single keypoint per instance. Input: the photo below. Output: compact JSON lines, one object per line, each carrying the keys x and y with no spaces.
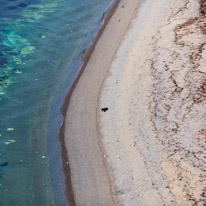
{"x":41,"y":42}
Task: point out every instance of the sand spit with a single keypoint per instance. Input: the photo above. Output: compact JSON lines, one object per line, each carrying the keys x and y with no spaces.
{"x":154,"y":131}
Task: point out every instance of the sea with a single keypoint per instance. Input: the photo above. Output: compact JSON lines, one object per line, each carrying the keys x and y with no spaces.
{"x":41,"y":46}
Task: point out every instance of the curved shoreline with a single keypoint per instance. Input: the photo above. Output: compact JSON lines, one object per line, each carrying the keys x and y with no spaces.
{"x":138,"y":151}
{"x":86,"y":172}
{"x":86,"y":56}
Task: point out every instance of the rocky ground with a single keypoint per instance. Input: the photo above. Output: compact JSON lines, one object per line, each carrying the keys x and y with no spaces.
{"x":154,"y":132}
{"x":179,"y":101}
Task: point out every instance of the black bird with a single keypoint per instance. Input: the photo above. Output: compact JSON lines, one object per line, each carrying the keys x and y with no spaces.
{"x":104,"y":109}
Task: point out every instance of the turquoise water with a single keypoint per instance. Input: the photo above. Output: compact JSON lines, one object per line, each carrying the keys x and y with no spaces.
{"x":41,"y":42}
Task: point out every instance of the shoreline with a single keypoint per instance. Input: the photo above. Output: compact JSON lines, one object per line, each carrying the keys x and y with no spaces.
{"x":148,"y":69}
{"x":85,"y":58}
{"x":90,"y":181}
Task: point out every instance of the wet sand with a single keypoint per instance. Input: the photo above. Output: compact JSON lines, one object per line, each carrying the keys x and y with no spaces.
{"x":148,"y":148}
{"x":88,"y":175}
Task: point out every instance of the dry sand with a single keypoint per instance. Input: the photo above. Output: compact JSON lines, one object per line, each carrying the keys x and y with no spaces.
{"x":149,"y":147}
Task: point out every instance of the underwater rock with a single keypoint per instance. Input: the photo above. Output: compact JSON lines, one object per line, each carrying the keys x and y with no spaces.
{"x":10,"y":129}
{"x":4,"y":164}
{"x":11,"y":140}
{"x":7,"y":69}
{"x":3,"y":78}
{"x":17,"y":71}
{"x":27,"y":50}
{"x":17,"y":60}
{"x":5,"y":81}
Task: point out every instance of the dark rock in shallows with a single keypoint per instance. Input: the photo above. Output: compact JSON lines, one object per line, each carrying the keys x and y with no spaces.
{"x":4,"y":164}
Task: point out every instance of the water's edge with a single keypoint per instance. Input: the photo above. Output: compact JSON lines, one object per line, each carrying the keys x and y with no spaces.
{"x":85,"y":57}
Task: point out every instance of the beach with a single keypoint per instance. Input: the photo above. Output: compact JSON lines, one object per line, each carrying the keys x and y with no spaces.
{"x":147,"y":69}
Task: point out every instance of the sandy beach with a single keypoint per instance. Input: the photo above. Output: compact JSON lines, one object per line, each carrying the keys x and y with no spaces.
{"x":148,"y":149}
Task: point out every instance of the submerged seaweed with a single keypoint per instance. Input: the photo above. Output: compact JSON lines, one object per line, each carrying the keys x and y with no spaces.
{"x":16,"y":47}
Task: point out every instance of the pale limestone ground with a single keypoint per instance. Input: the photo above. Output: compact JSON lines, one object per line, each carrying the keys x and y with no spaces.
{"x":154,"y":132}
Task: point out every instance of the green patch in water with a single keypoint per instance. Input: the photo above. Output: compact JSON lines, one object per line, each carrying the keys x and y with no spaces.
{"x":12,"y":140}
{"x":5,"y":81}
{"x":10,"y":129}
{"x":17,"y":60}
{"x":27,"y":50}
{"x":17,"y":71}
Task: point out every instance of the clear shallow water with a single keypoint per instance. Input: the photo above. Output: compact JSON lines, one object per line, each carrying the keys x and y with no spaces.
{"x":41,"y":42}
